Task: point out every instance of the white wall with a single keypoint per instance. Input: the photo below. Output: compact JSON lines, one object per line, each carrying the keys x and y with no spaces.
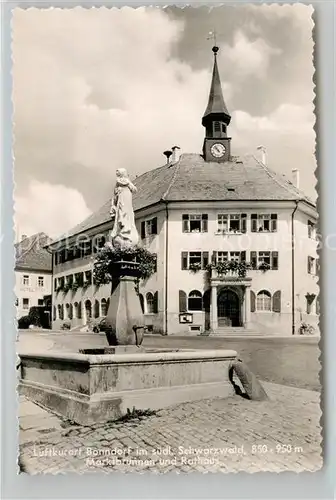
{"x":33,"y":291}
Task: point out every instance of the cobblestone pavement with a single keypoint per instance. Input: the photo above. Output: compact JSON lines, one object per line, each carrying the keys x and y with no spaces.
{"x":214,"y":435}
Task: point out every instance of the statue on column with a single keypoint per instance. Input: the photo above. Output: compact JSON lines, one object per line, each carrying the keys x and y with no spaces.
{"x":124,"y":233}
{"x":124,"y":320}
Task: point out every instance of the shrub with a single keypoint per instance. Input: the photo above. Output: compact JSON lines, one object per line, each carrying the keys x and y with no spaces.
{"x":35,"y":314}
{"x":108,"y":255}
{"x":24,"y":322}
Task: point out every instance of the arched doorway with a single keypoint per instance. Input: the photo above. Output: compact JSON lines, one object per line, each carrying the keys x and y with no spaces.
{"x":228,"y":307}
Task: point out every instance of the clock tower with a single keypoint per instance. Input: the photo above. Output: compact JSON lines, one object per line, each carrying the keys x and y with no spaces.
{"x":216,"y":146}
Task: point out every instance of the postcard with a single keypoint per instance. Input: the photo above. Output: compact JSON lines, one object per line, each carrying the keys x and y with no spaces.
{"x":167,"y":266}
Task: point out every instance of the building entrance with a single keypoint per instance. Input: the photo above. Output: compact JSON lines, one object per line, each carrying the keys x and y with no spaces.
{"x":228,"y":308}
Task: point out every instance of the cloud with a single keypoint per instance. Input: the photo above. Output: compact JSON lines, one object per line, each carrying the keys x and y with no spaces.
{"x":247,"y":57}
{"x":52,"y":209}
{"x":98,"y":89}
{"x":287,"y":118}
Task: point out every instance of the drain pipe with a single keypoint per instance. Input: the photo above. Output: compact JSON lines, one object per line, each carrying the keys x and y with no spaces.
{"x":166,"y":273}
{"x":293,"y":268}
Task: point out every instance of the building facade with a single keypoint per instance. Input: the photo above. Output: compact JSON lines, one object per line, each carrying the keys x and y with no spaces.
{"x":33,"y":274}
{"x":196,"y":213}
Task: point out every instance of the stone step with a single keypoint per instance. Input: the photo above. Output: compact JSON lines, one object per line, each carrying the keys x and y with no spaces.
{"x":236,"y":330}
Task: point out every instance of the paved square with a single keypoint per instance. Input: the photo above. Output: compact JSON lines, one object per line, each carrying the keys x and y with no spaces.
{"x":213,"y":435}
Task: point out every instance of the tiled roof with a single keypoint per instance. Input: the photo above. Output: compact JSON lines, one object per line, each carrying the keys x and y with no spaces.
{"x":30,"y":253}
{"x":193,"y":179}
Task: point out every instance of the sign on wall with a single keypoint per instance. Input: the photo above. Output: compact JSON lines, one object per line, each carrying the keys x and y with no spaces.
{"x":186,"y":318}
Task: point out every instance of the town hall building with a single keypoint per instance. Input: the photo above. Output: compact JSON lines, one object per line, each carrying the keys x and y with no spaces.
{"x":196,"y":210}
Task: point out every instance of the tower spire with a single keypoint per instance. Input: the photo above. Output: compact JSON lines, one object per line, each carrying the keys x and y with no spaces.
{"x":216,"y":108}
{"x":216,"y":146}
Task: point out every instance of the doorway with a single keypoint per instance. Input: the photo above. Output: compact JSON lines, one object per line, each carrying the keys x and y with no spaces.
{"x":228,"y":307}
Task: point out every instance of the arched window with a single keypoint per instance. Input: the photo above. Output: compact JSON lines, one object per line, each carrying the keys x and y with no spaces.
{"x":88,"y":309}
{"x":67,"y":311}
{"x":70,"y":312}
{"x":96,"y":309}
{"x":103,"y":307}
{"x":264,"y":301}
{"x":195,"y":301}
{"x":150,"y":303}
{"x":76,"y":309}
{"x":60,"y":311}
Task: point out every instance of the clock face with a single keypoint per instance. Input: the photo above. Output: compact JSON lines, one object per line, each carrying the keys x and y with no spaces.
{"x":217,"y":150}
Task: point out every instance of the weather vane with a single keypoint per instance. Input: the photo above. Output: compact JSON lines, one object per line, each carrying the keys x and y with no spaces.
{"x":212,"y":36}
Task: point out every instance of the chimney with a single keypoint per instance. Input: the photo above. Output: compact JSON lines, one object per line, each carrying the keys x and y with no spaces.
{"x":167,"y":155}
{"x":263,"y":154}
{"x":176,"y":154}
{"x":296,"y":177}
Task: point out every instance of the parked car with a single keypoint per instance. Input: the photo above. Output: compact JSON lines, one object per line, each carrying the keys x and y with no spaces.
{"x":99,"y":324}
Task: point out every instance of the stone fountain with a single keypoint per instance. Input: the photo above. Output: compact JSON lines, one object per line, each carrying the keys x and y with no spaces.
{"x":97,"y":385}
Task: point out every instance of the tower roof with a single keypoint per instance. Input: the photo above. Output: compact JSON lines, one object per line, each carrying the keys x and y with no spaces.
{"x":216,"y":107}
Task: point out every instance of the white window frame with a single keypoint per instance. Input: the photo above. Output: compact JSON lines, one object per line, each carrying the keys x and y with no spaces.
{"x":25,"y":306}
{"x":264,"y":257}
{"x":149,"y":303}
{"x":40,"y":281}
{"x":224,"y":223}
{"x":199,"y":297}
{"x":26,"y":280}
{"x":263,"y":299}
{"x":149,"y":227}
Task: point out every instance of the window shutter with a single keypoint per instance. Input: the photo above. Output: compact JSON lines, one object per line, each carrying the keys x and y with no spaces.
{"x":182,"y":301}
{"x":275,"y":260}
{"x":243,"y":256}
{"x":308,"y":265}
{"x":254,"y":220}
{"x":205,"y":259}
{"x":155,"y":303}
{"x":141,"y":297}
{"x":154,"y":226}
{"x":243,"y":223}
{"x":204,"y":223}
{"x":253,"y":301}
{"x":254,"y":260}
{"x":214,"y":257}
{"x":143,"y":230}
{"x":184,"y":260}
{"x":185,"y":223}
{"x":276,"y":306}
{"x":274,"y":222}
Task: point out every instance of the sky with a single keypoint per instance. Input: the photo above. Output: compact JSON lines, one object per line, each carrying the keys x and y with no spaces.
{"x":99,"y":89}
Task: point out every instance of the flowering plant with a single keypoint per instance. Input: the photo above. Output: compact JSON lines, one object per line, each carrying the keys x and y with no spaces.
{"x":103,"y":262}
{"x":226,"y":266}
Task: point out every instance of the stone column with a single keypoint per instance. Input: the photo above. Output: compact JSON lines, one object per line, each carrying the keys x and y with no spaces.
{"x":213,"y":309}
{"x":247,"y":307}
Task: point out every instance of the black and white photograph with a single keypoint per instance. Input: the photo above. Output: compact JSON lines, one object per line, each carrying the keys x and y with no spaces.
{"x":166,"y":240}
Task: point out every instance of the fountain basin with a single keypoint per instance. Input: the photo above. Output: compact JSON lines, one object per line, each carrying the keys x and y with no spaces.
{"x":90,"y":388}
